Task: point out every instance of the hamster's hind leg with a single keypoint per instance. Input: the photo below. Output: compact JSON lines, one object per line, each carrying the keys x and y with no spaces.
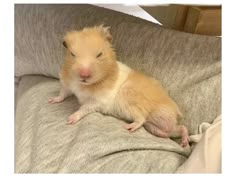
{"x":164,"y":124}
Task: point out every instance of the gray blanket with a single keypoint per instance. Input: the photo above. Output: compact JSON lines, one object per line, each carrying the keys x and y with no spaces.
{"x":188,"y":65}
{"x":44,"y":143}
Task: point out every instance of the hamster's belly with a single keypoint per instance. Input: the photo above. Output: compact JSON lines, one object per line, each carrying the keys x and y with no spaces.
{"x":106,"y":102}
{"x":103,"y":100}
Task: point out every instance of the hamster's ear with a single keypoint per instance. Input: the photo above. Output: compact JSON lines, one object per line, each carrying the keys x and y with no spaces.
{"x":64,"y":44}
{"x":105,"y":30}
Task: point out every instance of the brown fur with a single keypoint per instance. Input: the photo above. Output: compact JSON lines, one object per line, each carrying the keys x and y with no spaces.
{"x":146,"y":95}
{"x":149,"y":104}
{"x":105,"y":68}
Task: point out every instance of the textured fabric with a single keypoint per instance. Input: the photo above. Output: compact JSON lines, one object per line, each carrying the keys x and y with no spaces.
{"x":39,"y":32}
{"x":96,"y":144}
{"x":188,"y":65}
{"x":206,"y":156}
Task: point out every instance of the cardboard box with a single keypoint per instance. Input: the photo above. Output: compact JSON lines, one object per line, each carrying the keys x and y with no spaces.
{"x":172,"y":16}
{"x":203,"y":20}
{"x":193,"y":19}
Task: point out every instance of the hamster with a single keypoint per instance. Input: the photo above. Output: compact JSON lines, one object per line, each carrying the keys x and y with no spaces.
{"x":102,"y":84}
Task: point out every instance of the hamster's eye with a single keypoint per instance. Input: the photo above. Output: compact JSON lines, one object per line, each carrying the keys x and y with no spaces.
{"x":99,"y":54}
{"x":64,"y":44}
{"x":72,"y":54}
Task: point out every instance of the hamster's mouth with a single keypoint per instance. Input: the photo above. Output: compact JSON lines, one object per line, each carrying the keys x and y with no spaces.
{"x":84,"y":81}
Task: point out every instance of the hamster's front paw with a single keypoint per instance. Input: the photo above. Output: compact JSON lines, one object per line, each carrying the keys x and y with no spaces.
{"x":72,"y":119}
{"x":57,"y":99}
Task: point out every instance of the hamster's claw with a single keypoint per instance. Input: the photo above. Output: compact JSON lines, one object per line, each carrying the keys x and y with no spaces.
{"x":72,"y":119}
{"x":184,"y":141}
{"x":132,"y":126}
{"x":57,"y":99}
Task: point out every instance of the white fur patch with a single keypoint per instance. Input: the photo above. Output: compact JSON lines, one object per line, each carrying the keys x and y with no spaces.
{"x":104,"y":99}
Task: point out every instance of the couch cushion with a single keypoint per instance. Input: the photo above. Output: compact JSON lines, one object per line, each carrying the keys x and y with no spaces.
{"x":39,"y":32}
{"x":96,"y":144}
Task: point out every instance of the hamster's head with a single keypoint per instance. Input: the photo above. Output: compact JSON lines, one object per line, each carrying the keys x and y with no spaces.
{"x":90,"y":57}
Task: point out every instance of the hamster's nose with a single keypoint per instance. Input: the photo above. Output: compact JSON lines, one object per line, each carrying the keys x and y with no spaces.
{"x":84,"y":73}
